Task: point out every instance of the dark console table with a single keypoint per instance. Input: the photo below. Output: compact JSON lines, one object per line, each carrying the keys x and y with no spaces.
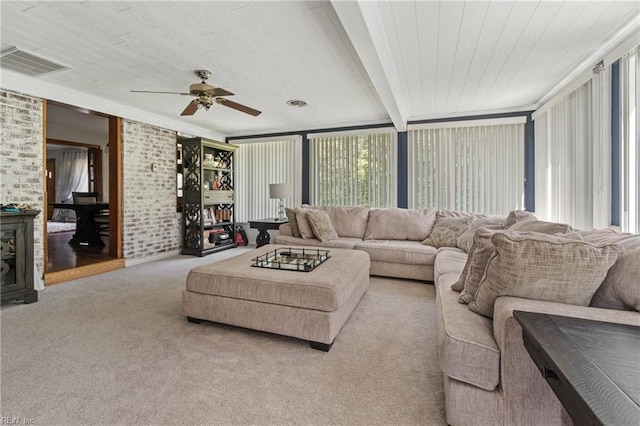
{"x":263,"y":225}
{"x":87,"y":232}
{"x":593,"y":367}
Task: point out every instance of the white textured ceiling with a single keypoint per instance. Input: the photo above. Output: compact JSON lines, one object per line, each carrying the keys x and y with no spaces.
{"x":355,"y":63}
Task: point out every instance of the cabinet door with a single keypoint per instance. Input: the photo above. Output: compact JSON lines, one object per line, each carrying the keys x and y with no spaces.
{"x":12,"y":248}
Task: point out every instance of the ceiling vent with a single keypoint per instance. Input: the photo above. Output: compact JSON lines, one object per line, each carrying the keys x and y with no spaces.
{"x":14,"y":59}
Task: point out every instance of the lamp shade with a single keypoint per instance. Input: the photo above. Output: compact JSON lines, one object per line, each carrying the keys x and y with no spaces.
{"x":280,"y":190}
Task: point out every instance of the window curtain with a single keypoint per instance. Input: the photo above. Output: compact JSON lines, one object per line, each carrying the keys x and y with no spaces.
{"x":260,"y":162}
{"x":629,"y":141}
{"x":352,"y":169}
{"x":474,"y":166}
{"x":72,"y":175}
{"x":573,"y":157}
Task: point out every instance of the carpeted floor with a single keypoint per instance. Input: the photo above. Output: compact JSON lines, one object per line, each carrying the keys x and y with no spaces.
{"x":115,"y":349}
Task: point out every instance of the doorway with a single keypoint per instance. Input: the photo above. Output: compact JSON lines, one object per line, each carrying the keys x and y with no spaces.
{"x":81,"y":156}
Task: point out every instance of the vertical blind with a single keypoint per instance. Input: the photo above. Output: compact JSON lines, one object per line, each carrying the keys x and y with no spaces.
{"x":572,"y":157}
{"x":468,"y":167}
{"x":259,"y":163}
{"x":353,"y":169}
{"x":629,"y":141}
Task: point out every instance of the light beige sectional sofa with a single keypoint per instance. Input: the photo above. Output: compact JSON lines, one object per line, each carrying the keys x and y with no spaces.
{"x":489,"y":378}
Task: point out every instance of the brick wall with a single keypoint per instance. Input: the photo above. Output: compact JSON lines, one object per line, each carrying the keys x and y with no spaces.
{"x":151,"y":225}
{"x":21,"y":155}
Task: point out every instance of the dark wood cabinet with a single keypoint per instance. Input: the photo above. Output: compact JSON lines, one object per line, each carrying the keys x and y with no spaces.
{"x":208,"y":197}
{"x":16,"y":245}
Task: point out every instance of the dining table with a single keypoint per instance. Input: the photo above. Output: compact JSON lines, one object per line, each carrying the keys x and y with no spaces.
{"x":87,"y":232}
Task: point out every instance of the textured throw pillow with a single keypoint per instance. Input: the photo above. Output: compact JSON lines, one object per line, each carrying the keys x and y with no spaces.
{"x":541,"y":226}
{"x":446,"y":231}
{"x":291,"y":216}
{"x":621,"y":289}
{"x":543,"y":267}
{"x":459,"y":285}
{"x":304,"y":226}
{"x":478,"y":258}
{"x":465,"y":240}
{"x":516,"y":216}
{"x":321,"y":225}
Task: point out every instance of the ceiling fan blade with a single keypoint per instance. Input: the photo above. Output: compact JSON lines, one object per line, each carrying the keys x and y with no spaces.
{"x":218,"y":91}
{"x":191,"y":108}
{"x":239,"y":107}
{"x":168,"y":93}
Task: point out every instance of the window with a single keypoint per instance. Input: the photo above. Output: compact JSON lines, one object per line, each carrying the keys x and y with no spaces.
{"x":629,"y":141}
{"x":572,"y":156}
{"x":260,"y":162}
{"x":354,"y":168}
{"x":474,"y":166}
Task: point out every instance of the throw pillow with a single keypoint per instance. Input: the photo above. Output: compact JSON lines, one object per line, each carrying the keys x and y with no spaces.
{"x":621,"y":289}
{"x":541,"y":226}
{"x":516,"y":216}
{"x":446,"y":231}
{"x":478,"y":258}
{"x":321,"y":225}
{"x":465,"y":240}
{"x":304,"y":226}
{"x":291,"y":215}
{"x":543,"y":267}
{"x":459,"y":285}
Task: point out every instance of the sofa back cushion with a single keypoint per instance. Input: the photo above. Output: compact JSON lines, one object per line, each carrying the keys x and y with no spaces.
{"x":541,"y":226}
{"x":516,"y":216}
{"x":400,"y":224}
{"x":543,"y":267}
{"x":349,"y":222}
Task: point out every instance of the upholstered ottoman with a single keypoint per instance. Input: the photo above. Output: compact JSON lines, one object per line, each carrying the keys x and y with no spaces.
{"x":307,"y":305}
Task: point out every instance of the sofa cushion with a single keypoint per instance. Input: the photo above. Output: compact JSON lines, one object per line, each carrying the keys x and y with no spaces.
{"x":400,"y":224}
{"x":395,"y":251}
{"x":347,"y":243}
{"x":349,"y":221}
{"x":543,"y":267}
{"x":321,"y":225}
{"x":621,"y":288}
{"x":541,"y":226}
{"x":516,"y":216}
{"x":446,"y":231}
{"x":468,"y":351}
{"x":465,"y":240}
{"x":449,"y":261}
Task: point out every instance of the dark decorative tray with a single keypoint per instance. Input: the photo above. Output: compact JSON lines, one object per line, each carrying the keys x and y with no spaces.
{"x":292,"y":259}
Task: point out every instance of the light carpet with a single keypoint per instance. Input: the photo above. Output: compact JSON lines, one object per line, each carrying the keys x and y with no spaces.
{"x":115,"y":349}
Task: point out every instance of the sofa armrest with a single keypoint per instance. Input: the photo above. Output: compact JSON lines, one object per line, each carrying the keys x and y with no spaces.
{"x":285,"y":229}
{"x":526,"y":394}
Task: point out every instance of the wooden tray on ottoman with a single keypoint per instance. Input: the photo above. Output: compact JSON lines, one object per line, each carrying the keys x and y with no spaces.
{"x":312,"y":306}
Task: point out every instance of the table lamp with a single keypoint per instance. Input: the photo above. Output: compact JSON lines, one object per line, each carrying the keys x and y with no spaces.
{"x":280,"y":191}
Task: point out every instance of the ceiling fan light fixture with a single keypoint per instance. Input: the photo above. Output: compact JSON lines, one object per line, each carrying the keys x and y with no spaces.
{"x":297,"y":103}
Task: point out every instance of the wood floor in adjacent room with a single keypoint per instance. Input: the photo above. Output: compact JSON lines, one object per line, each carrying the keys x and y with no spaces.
{"x":63,"y":256}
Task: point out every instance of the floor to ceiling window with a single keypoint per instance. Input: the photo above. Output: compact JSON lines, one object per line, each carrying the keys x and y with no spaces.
{"x":354,"y":168}
{"x":475,"y":166}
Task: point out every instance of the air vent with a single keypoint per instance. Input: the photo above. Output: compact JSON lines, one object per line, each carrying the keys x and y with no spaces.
{"x":27,"y":63}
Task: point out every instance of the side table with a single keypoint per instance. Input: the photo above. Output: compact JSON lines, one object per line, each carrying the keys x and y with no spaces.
{"x":263,"y":225}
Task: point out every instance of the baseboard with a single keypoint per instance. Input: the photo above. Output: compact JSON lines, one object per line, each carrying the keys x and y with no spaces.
{"x":159,"y":256}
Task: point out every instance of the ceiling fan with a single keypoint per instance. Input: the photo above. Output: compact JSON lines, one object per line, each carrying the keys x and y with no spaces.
{"x":206,"y":95}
